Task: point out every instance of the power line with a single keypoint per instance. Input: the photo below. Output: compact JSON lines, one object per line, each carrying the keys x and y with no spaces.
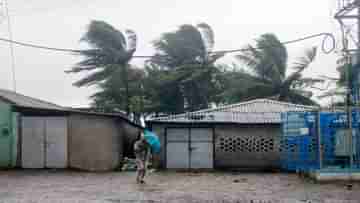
{"x":11,"y":45}
{"x":325,"y":35}
{"x":39,"y":46}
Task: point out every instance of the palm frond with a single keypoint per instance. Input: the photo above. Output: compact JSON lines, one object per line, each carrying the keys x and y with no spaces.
{"x":303,"y":62}
{"x":110,"y":48}
{"x":131,"y":41}
{"x":294,"y":97}
{"x":250,"y":57}
{"x":207,"y":35}
{"x":275,"y":53}
{"x":101,"y":35}
{"x":96,"y":77}
{"x":212,"y":58}
{"x":188,"y":45}
{"x":93,"y":59}
{"x":268,"y":60}
{"x":300,"y":66}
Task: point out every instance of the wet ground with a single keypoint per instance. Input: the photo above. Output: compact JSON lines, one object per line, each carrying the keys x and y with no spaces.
{"x":117,"y":187}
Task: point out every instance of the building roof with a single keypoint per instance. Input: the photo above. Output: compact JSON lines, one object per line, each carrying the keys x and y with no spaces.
{"x":25,"y":101}
{"x":258,"y":111}
{"x":97,"y":110}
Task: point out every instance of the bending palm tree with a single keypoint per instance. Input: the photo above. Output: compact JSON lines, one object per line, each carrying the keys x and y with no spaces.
{"x":187,"y":57}
{"x":109,"y":55}
{"x":268,"y":72}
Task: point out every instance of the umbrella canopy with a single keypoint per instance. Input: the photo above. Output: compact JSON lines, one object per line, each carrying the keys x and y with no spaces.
{"x":152,"y":140}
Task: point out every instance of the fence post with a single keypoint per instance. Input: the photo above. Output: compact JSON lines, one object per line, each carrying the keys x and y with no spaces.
{"x":318,"y":127}
{"x":351,"y":137}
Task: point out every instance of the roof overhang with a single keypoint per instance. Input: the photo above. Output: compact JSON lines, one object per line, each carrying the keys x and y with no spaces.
{"x":30,"y":111}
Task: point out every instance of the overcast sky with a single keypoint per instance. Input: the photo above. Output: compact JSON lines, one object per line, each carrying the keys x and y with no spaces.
{"x":40,"y":73}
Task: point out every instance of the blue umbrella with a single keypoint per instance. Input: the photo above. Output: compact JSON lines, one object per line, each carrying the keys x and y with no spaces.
{"x":152,"y":140}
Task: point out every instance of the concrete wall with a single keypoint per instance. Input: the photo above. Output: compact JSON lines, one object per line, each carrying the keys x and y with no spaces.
{"x":236,"y":146}
{"x":253,"y":146}
{"x":95,"y":142}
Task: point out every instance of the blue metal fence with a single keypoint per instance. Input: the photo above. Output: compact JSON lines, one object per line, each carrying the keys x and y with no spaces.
{"x":299,"y":144}
{"x":300,"y":149}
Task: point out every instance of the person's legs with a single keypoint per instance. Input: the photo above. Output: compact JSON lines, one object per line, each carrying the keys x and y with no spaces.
{"x":142,"y":171}
{"x":143,"y":174}
{"x":138,"y":174}
{"x":140,"y":168}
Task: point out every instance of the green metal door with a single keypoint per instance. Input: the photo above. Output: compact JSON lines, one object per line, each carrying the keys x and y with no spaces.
{"x":8,"y":136}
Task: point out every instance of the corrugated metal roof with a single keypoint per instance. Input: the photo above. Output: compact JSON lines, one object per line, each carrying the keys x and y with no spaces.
{"x":25,"y":101}
{"x":255,"y":112}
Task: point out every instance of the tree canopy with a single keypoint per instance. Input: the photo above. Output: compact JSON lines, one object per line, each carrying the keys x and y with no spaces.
{"x":268,"y":73}
{"x":188,"y":67}
{"x":107,"y":61}
{"x":184,"y":74}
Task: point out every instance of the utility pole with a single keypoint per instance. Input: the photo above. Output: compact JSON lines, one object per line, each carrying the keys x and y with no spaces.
{"x":12,"y":54}
{"x":358,"y":35}
{"x":349,"y":11}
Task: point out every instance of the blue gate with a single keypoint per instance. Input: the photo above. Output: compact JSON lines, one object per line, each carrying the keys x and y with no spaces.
{"x":300,"y":149}
{"x":299,"y":144}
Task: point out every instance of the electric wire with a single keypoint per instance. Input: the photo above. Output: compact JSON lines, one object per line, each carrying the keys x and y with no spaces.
{"x":326,"y":36}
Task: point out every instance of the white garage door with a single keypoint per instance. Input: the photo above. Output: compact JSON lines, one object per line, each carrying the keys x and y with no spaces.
{"x":44,"y":142}
{"x":56,"y":142}
{"x":33,"y":142}
{"x":201,"y":155}
{"x":189,"y":148}
{"x":177,"y":153}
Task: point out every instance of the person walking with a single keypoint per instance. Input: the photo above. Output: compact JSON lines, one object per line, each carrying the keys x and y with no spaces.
{"x":142,"y":153}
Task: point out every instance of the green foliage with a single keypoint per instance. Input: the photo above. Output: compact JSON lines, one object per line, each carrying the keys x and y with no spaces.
{"x":107,"y":62}
{"x":159,"y":86}
{"x":267,"y":74}
{"x":183,"y":74}
{"x":113,"y":95}
{"x":188,"y":68}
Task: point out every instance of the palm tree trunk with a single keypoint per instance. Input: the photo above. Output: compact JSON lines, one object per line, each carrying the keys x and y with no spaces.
{"x":127,"y":98}
{"x":180,"y":104}
{"x":127,"y":91}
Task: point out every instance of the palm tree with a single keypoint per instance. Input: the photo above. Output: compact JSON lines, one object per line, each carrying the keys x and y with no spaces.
{"x":187,"y":56}
{"x":268,"y":72}
{"x":113,"y":97}
{"x":109,"y":55}
{"x":112,"y":93}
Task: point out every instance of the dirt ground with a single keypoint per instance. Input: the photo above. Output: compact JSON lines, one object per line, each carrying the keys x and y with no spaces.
{"x":116,"y":187}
